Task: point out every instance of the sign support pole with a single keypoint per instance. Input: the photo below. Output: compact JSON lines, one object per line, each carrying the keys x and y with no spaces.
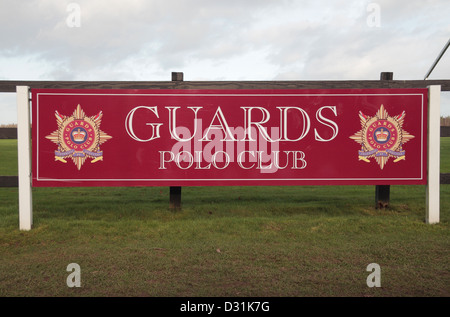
{"x":383,"y":192}
{"x":433,"y":168}
{"x":175,"y":191}
{"x":24,"y":158}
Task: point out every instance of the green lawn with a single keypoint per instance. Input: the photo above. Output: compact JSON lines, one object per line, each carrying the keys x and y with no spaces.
{"x":225,"y":241}
{"x":445,"y":155}
{"x":8,"y":157}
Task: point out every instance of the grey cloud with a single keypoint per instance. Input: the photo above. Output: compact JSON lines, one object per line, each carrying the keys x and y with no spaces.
{"x":122,"y":39}
{"x":113,"y":31}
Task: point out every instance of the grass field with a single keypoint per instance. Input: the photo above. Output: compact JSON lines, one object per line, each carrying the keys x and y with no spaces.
{"x":8,"y":158}
{"x":445,"y":155}
{"x":226,"y":241}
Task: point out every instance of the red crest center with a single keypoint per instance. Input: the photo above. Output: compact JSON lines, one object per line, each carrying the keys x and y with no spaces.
{"x":79,"y":135}
{"x":382,"y":135}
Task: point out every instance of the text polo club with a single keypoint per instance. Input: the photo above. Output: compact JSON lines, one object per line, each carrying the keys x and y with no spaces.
{"x":249,"y":131}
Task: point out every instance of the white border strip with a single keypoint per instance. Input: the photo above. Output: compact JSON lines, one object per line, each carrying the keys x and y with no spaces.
{"x":39,"y":178}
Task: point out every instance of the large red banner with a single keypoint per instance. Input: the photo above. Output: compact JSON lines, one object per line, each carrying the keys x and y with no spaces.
{"x":229,"y":137}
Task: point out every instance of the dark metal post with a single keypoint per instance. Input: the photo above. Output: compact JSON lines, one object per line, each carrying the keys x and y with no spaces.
{"x":175,"y":191}
{"x":176,"y":76}
{"x":383,"y":192}
{"x":175,"y":197}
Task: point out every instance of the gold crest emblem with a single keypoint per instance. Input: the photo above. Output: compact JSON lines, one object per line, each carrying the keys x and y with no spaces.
{"x":78,"y":137}
{"x":382,"y":137}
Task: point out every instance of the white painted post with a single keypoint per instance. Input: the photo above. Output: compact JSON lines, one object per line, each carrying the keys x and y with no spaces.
{"x":24,"y":158}
{"x":434,"y":143}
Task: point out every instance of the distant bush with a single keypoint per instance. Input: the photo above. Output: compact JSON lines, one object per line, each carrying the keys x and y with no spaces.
{"x":445,"y":121}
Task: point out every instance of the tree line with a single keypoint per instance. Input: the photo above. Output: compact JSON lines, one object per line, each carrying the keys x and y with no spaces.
{"x":445,"y":121}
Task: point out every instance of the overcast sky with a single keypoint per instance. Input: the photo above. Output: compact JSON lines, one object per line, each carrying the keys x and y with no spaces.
{"x":221,"y":40}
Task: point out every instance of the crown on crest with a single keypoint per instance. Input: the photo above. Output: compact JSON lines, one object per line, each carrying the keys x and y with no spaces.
{"x":381,"y":135}
{"x":78,"y":135}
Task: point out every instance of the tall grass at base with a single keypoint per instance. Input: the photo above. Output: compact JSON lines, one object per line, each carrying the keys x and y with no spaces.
{"x":264,"y":241}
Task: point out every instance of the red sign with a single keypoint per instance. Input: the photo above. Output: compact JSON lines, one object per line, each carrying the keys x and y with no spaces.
{"x":229,"y":137}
